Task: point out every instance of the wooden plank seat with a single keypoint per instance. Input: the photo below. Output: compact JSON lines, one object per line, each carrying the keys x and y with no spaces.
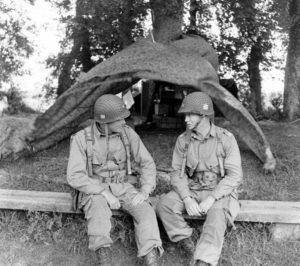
{"x":275,"y":212}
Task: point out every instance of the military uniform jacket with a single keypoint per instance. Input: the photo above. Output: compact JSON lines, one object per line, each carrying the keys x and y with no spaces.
{"x":202,"y":156}
{"x":108,"y":160}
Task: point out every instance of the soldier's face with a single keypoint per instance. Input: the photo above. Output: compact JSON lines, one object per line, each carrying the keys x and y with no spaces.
{"x":192,"y":120}
{"x":112,"y":127}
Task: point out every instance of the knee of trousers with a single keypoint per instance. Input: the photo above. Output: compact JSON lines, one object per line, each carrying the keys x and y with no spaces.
{"x":143,"y":213}
{"x":216,"y":217}
{"x":98,"y":216}
{"x":164,"y":206}
{"x":214,"y":227}
{"x":148,"y":214}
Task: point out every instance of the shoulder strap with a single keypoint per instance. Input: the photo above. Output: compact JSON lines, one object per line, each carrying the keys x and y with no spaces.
{"x":186,"y":147}
{"x":126,"y":143}
{"x":220,"y":152}
{"x":89,"y":137}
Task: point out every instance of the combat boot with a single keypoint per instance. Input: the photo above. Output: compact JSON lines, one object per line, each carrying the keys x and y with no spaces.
{"x":104,"y":256}
{"x":188,"y":245}
{"x":201,"y":263}
{"x":152,"y":258}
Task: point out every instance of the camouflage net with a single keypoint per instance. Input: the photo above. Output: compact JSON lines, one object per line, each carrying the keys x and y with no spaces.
{"x":190,"y":61}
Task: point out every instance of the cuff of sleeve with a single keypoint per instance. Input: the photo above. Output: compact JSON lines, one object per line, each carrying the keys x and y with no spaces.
{"x":216,"y":195}
{"x":184,"y":194}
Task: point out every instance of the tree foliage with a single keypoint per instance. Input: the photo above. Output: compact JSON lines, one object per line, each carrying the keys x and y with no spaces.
{"x":255,"y":22}
{"x":15,"y":46}
{"x":243,"y":38}
{"x":98,"y":30}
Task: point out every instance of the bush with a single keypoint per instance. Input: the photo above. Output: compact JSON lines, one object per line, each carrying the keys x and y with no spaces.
{"x":15,"y":103}
{"x":275,"y":112}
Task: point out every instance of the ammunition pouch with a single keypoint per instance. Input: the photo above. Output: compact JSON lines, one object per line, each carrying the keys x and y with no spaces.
{"x":204,"y":180}
{"x":76,"y":199}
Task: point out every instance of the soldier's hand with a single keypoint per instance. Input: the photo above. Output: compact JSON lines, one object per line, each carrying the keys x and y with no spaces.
{"x":112,"y":201}
{"x":139,"y":198}
{"x":191,"y":206}
{"x":206,"y":204}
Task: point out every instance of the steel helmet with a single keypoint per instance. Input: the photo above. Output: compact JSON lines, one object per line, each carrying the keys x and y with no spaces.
{"x":110,"y":108}
{"x":197,"y":103}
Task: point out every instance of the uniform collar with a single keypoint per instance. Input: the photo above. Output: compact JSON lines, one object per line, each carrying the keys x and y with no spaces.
{"x":211,"y":133}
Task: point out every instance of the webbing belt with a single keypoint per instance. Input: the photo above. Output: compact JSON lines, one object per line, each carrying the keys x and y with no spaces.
{"x":127,"y":148}
{"x":220,"y":155}
{"x":89,"y":137}
{"x":186,"y":147}
{"x":116,"y":179}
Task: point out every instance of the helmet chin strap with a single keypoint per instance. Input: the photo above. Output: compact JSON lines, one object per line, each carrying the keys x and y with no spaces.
{"x":200,"y":127}
{"x":196,"y":126}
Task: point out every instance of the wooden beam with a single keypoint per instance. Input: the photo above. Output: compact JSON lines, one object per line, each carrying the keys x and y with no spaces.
{"x":35,"y":200}
{"x":251,"y":211}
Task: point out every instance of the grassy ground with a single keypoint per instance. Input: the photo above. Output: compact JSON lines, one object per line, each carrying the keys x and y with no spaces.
{"x":56,"y":239}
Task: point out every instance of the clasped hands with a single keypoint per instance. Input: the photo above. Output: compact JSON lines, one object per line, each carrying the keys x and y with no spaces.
{"x":115,"y":204}
{"x":193,"y":208}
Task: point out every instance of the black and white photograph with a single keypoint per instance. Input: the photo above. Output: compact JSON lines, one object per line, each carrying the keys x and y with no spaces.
{"x":149,"y":132}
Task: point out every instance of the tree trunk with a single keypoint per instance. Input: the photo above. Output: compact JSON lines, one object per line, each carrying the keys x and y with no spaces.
{"x":193,"y":14}
{"x":124,"y":25}
{"x":292,"y":69}
{"x":167,"y":19}
{"x":253,"y":61}
{"x":80,"y":50}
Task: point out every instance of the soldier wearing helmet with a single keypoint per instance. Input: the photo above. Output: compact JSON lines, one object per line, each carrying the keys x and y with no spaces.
{"x":99,"y":168}
{"x":207,"y":172}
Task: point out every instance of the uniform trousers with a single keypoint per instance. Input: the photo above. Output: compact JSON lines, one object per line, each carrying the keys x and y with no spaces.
{"x":208,"y":249}
{"x":98,"y":215}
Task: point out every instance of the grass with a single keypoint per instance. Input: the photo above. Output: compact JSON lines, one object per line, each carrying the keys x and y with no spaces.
{"x":250,"y":244}
{"x":56,"y":239}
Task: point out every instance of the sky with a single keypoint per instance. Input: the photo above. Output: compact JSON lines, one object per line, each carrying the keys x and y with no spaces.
{"x":46,"y":40}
